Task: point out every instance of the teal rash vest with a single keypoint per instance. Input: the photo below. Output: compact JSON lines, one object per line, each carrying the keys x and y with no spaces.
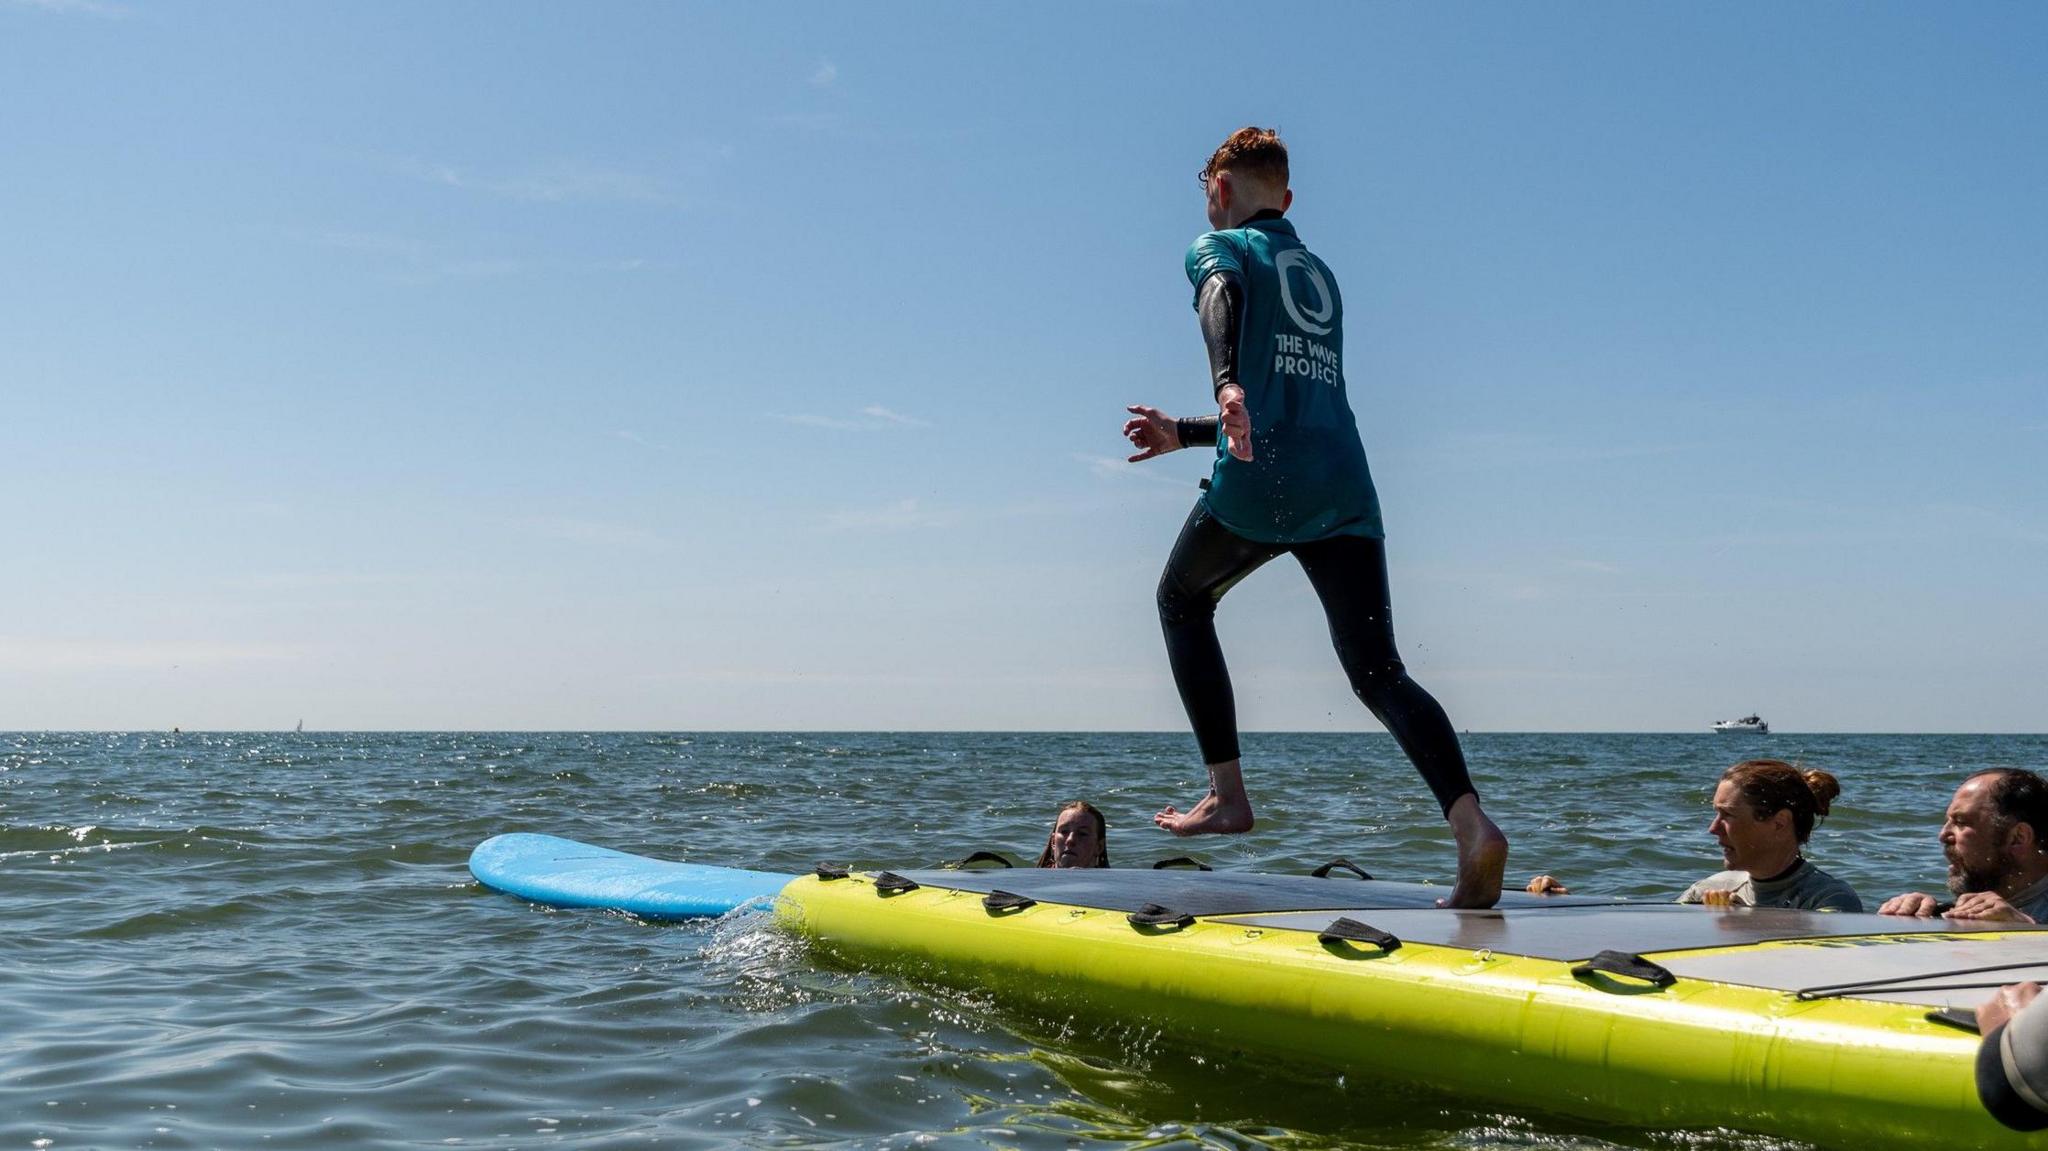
{"x":1307,"y":478}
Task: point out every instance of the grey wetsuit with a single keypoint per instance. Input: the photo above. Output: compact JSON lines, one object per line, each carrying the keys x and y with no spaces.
{"x":2034,"y":901}
{"x":1805,"y":887}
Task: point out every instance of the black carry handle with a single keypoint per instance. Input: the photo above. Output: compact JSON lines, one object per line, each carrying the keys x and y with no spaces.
{"x":890,"y":883}
{"x":1623,"y":964}
{"x":1962,"y":1017}
{"x":827,"y":871}
{"x":1347,"y":930}
{"x":1323,"y":872}
{"x":978,"y":857}
{"x":1000,"y":900}
{"x":1182,"y":861}
{"x":1153,"y":915}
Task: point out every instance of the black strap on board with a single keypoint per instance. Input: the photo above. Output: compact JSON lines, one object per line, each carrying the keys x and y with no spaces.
{"x":1918,"y":982}
{"x":890,"y":883}
{"x":1963,"y":1018}
{"x":1181,"y":861}
{"x":998,"y":901}
{"x":1153,"y":915}
{"x":1345,"y":929}
{"x":1626,"y":965}
{"x":827,"y":871}
{"x":1324,"y":871}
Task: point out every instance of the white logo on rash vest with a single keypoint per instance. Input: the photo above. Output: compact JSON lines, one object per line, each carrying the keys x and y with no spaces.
{"x":1315,"y":322}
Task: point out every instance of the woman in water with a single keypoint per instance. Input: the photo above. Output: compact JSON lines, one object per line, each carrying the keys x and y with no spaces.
{"x":1763,"y":811}
{"x":1080,"y":838}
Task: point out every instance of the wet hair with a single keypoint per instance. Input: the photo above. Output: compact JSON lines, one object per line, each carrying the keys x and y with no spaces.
{"x":2019,"y":796}
{"x":1770,"y":786}
{"x":1254,"y":153}
{"x":1046,"y":857}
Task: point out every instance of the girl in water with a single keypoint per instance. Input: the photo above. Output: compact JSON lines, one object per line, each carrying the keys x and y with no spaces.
{"x":1080,"y":838}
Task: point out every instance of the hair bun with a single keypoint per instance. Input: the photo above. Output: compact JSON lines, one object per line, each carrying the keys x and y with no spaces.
{"x":1823,"y":786}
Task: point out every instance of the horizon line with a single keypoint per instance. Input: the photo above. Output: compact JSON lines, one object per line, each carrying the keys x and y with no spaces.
{"x":1730,"y":736}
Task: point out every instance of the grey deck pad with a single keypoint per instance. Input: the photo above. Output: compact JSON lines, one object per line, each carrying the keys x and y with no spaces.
{"x":1211,"y":892}
{"x":1545,"y":927}
{"x":1934,"y":970}
{"x":1572,"y":933}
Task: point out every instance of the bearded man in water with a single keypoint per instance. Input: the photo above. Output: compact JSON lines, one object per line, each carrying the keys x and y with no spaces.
{"x":1290,"y":477}
{"x":1994,"y":837}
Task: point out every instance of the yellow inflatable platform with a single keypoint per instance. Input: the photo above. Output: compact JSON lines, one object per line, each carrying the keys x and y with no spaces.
{"x":1843,"y":1030}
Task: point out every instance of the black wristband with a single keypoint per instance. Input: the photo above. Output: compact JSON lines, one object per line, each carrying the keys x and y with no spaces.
{"x":1195,"y":431}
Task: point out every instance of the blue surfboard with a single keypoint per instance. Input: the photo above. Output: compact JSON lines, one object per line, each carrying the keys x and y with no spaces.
{"x":564,"y":873}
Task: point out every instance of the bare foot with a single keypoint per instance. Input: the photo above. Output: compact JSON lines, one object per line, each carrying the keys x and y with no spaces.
{"x":1212,"y":816}
{"x":1482,"y":856}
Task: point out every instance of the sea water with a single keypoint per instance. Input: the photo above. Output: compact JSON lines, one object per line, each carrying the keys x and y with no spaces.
{"x":271,"y":940}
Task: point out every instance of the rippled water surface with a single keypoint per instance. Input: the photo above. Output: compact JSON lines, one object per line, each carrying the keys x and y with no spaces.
{"x":272,"y":940}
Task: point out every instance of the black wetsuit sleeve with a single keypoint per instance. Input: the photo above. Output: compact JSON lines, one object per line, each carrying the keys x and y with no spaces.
{"x":1196,"y":431}
{"x":1220,"y":306}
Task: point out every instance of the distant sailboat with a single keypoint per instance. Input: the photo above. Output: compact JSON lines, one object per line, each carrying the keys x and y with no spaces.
{"x":301,"y":727}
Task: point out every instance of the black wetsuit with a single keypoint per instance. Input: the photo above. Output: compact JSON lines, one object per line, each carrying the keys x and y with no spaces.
{"x":1345,"y":563}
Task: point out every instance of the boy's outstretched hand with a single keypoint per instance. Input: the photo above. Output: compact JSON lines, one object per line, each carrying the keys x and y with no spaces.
{"x":1151,"y":431}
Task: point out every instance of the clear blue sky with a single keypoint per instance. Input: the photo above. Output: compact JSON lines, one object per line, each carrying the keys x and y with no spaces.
{"x":752,"y":365}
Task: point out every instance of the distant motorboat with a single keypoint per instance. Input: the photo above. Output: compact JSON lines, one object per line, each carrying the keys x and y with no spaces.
{"x":1748,"y":723}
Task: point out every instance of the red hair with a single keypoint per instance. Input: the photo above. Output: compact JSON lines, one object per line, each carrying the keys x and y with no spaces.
{"x":1253,"y":153}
